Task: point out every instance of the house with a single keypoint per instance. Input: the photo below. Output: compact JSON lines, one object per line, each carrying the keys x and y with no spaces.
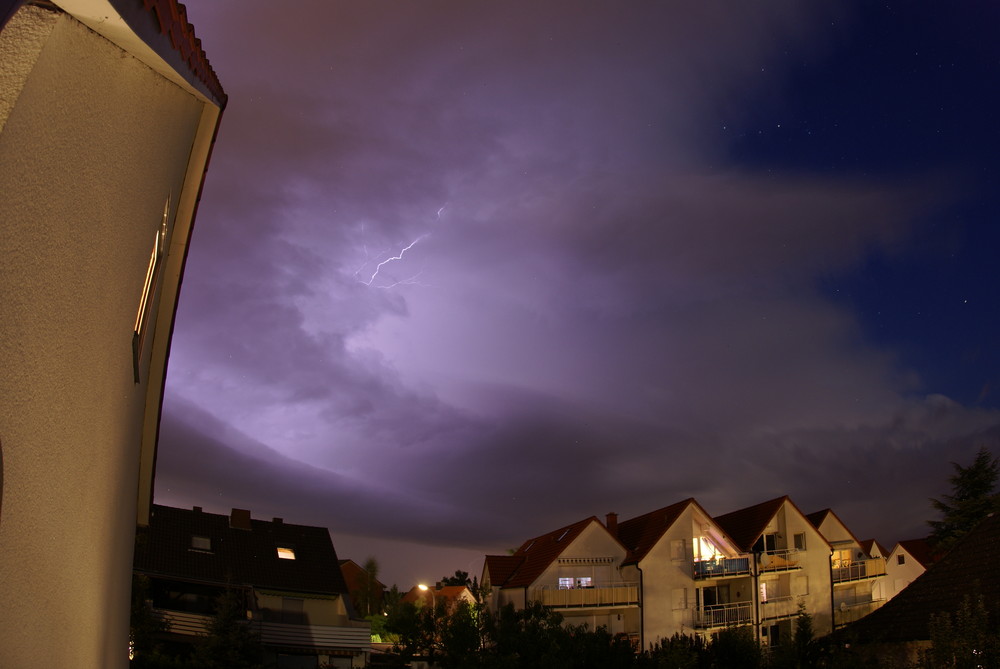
{"x":900,"y":630}
{"x":365,"y":590}
{"x":449,"y":595}
{"x":108,"y":115}
{"x":791,"y":563}
{"x":675,"y":570}
{"x":908,"y":560}
{"x":287,"y":574}
{"x":575,"y":570}
{"x":858,"y":576}
{"x":692,"y":575}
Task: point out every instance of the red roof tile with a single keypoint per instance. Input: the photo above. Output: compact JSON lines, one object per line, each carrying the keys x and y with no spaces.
{"x":745,"y":526}
{"x":920,"y":550}
{"x":538,"y":553}
{"x":172,"y":19}
{"x":641,"y":533}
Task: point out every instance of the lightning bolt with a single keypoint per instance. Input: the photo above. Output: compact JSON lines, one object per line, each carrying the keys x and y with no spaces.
{"x":378,"y":268}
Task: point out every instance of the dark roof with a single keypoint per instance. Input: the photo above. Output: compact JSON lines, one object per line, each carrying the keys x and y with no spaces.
{"x":746,"y":525}
{"x":171,"y":17}
{"x":237,"y":556}
{"x":641,"y":533}
{"x":970,"y":568}
{"x":869,"y":546}
{"x":817,"y":517}
{"x":920,"y":550}
{"x":537,"y":554}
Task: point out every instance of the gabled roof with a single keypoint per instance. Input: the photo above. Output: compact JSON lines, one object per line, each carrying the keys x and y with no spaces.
{"x":970,"y":568}
{"x":241,"y":557}
{"x":817,"y":518}
{"x":745,"y":526}
{"x":919,"y":549}
{"x":641,"y":533}
{"x":869,"y":546}
{"x":535,"y":555}
{"x":355,"y":576}
{"x":446,"y":593}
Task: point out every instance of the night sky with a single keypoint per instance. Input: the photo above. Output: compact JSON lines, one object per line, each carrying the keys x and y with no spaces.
{"x":464,"y":273}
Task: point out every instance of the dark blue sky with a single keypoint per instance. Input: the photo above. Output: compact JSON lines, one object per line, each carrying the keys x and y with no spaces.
{"x":465,"y":273}
{"x":907,"y":90}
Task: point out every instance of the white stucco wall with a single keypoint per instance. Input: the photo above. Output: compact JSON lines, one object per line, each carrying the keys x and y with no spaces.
{"x":92,"y":146}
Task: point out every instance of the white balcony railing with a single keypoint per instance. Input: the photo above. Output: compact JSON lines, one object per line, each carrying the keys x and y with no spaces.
{"x":602,"y":595}
{"x":724,"y":615}
{"x":857,"y":571}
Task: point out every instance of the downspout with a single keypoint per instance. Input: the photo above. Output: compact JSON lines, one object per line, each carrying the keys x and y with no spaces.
{"x":642,"y":612}
{"x":755,"y":574}
{"x":833,"y":608}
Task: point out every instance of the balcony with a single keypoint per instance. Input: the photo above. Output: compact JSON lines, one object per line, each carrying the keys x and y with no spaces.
{"x":857,"y":571}
{"x":276,"y":634}
{"x":847,"y":610}
{"x":601,"y":596}
{"x":722,"y":567}
{"x":777,"y":607}
{"x":724,"y":615}
{"x":778,"y":560}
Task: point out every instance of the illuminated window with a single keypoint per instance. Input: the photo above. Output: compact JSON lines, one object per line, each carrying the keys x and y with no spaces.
{"x":585,"y":582}
{"x":286,"y":553}
{"x":201,"y":543}
{"x":565,"y":583}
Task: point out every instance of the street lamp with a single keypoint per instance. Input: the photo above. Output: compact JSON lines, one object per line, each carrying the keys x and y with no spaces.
{"x":424,"y":588}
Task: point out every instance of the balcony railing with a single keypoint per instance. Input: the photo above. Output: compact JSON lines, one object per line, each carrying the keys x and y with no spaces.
{"x":722,"y":567}
{"x":779,"y":560}
{"x":857,"y":571}
{"x":724,"y":615}
{"x":602,"y":595}
{"x":854,"y":608}
{"x":778,"y":606}
{"x":277,"y":634}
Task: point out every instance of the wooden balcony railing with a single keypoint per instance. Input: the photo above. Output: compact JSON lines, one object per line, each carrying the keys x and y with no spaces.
{"x":857,"y":571}
{"x":724,"y":615}
{"x":602,"y":595}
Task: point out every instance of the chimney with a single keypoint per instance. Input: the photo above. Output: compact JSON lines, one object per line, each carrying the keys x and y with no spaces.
{"x":239,"y":519}
{"x":612,"y":524}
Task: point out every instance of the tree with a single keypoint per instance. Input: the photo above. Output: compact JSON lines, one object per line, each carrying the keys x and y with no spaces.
{"x":230,"y":643}
{"x":965,"y":640}
{"x":368,"y":597}
{"x":972,"y":499}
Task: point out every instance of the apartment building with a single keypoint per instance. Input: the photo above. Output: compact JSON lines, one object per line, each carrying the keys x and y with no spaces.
{"x":857,"y":572}
{"x":676,"y":569}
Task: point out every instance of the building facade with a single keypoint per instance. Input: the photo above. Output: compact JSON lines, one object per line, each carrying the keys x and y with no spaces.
{"x":108,"y":113}
{"x":676,"y":570}
{"x":287,"y":575}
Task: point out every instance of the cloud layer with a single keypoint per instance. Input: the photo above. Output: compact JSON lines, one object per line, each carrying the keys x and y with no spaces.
{"x":462,"y":275}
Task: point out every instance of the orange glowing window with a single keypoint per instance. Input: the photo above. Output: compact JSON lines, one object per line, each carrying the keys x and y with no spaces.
{"x":286,"y":553}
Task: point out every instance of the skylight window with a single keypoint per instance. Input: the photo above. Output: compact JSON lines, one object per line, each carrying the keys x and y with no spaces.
{"x":286,"y":553}
{"x":201,"y":543}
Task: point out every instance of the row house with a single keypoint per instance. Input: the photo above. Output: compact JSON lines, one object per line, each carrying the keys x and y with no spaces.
{"x":908,"y":560}
{"x":857,"y":569}
{"x":677,"y":569}
{"x":287,"y":575}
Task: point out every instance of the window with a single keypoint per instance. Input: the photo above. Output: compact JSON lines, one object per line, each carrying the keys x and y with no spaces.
{"x":800,"y":541}
{"x":585,"y":582}
{"x":286,"y":553}
{"x":841,"y":558}
{"x":565,"y":583}
{"x":900,"y":559}
{"x":201,"y":543}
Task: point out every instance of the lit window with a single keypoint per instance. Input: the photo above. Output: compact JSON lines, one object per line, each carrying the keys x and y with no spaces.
{"x":201,"y":543}
{"x":584,"y":582}
{"x":566,"y":583}
{"x":286,"y":553}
